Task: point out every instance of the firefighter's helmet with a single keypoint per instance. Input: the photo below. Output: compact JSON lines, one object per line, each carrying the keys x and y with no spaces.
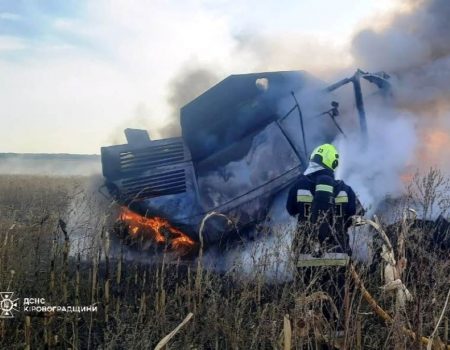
{"x":326,"y":155}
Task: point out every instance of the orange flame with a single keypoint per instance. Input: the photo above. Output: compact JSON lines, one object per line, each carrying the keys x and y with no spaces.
{"x":157,"y":229}
{"x":430,"y":153}
{"x":435,"y":143}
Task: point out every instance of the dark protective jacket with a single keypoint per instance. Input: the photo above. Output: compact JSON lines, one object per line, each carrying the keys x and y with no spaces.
{"x":327,"y":204}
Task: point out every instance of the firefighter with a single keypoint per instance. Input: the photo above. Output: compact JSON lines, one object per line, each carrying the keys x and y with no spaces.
{"x":324,"y":207}
{"x":322,"y":204}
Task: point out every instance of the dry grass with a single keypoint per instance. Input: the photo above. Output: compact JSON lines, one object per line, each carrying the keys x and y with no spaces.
{"x":141,"y":301}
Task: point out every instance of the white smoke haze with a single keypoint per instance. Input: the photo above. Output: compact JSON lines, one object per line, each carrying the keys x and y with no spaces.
{"x":87,"y":217}
{"x":141,"y":119}
{"x":318,"y":55}
{"x":268,"y":255}
{"x":49,"y":164}
{"x":374,"y":171}
{"x":189,"y":82}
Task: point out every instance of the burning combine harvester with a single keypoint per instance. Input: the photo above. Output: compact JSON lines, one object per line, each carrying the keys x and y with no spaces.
{"x":243,"y":142}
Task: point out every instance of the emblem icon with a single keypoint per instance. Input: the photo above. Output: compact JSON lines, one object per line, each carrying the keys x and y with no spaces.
{"x":8,"y":304}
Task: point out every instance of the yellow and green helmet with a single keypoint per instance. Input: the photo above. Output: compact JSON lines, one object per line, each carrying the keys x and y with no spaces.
{"x":326,"y":155}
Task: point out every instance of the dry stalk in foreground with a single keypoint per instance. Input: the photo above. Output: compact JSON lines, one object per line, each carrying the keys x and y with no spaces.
{"x":379,"y":310}
{"x":164,"y":341}
{"x":402,"y":293}
{"x":287,"y":331}
{"x":430,"y":343}
{"x":394,"y":267}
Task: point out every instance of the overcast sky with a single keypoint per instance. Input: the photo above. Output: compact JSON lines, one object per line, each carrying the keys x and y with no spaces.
{"x":73,"y":73}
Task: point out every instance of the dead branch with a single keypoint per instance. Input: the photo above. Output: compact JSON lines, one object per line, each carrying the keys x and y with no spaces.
{"x":394,"y":268}
{"x":287,"y":332}
{"x":439,"y":321}
{"x":380,"y":312}
{"x":164,"y":341}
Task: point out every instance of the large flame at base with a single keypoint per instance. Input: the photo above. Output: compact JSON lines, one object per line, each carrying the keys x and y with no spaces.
{"x":158,"y":230}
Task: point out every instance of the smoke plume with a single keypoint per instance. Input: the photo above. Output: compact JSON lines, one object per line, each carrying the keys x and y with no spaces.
{"x":410,"y":134}
{"x":191,"y":82}
{"x":415,"y":49}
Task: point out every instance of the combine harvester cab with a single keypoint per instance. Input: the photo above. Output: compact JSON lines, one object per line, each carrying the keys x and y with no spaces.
{"x":243,"y":141}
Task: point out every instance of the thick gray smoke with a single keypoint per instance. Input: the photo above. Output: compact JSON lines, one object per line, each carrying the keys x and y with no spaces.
{"x":411,"y":43}
{"x":409,"y":134}
{"x":415,"y":49}
{"x":192,"y":81}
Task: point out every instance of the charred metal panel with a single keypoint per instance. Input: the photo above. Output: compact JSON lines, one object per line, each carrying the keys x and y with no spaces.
{"x":180,"y":197}
{"x":157,"y":183}
{"x":266,"y":165}
{"x":153,"y":156}
{"x":137,"y":175}
{"x":244,"y":167}
{"x":131,"y":160}
{"x":235,"y":108}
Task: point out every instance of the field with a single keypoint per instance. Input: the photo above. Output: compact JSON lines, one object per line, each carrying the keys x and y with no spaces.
{"x":55,"y":245}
